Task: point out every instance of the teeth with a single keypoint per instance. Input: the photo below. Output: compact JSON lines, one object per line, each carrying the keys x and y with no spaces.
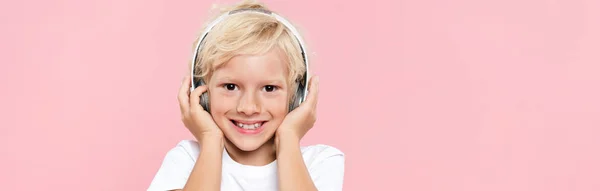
{"x":248,"y":126}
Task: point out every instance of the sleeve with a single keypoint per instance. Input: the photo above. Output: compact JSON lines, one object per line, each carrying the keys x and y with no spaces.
{"x":174,"y":170}
{"x":328,"y":172}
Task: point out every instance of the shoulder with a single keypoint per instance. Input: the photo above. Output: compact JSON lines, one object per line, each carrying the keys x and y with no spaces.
{"x":315,"y":154}
{"x":325,"y":165}
{"x":184,"y":150}
{"x":321,"y":150}
{"x":176,"y":166}
{"x":190,"y":148}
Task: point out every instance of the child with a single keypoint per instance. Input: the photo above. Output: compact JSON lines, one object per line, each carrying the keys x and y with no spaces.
{"x":246,"y":136}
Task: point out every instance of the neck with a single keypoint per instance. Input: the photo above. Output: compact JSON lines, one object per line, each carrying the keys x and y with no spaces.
{"x":263,"y":155}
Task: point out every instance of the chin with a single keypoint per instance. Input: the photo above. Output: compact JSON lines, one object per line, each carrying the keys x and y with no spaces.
{"x":246,"y":146}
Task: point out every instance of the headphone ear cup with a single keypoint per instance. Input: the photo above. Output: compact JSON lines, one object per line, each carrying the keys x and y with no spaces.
{"x":204,"y":101}
{"x":298,"y":97}
{"x":204,"y":97}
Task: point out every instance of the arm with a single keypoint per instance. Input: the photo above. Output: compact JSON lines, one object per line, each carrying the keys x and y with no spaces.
{"x":206,"y":174}
{"x":293,"y":174}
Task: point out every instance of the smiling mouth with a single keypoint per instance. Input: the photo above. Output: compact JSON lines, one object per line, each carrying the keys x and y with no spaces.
{"x":248,"y":125}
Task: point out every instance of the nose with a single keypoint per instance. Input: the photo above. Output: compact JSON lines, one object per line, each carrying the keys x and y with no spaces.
{"x":248,"y":104}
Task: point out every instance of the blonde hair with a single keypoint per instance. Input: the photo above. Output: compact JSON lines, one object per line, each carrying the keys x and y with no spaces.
{"x":248,"y":33}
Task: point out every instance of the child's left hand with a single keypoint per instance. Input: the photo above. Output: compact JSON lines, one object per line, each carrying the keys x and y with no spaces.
{"x":297,"y":123}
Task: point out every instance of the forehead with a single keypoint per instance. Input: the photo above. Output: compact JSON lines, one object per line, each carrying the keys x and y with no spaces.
{"x":269,"y":65}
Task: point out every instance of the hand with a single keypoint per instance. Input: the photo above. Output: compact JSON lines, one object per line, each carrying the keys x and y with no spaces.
{"x":297,"y":123}
{"x":194,"y":116}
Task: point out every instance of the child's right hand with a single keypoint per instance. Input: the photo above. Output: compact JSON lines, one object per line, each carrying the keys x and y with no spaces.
{"x":194,"y":116}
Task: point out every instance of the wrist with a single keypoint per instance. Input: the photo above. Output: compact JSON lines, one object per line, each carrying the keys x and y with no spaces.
{"x":288,"y":135}
{"x":209,"y":141}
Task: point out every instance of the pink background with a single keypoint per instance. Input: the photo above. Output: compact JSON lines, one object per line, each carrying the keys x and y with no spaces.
{"x":421,"y":95}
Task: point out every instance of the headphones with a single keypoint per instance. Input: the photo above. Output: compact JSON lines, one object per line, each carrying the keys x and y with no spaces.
{"x":301,"y":92}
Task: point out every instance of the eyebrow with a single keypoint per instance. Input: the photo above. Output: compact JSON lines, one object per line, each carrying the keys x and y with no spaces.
{"x":266,"y":81}
{"x":221,"y":79}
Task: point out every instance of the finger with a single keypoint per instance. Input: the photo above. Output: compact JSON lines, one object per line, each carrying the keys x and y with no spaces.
{"x":195,"y":98}
{"x":183,"y":96}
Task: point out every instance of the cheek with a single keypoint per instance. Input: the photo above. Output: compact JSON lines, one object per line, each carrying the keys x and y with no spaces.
{"x":220,"y":103}
{"x":277,"y":107}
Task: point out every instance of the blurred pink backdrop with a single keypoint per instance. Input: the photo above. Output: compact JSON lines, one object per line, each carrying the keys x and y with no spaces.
{"x":420,"y":95}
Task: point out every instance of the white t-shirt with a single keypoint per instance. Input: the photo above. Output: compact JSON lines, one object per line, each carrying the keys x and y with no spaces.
{"x":324,"y":163}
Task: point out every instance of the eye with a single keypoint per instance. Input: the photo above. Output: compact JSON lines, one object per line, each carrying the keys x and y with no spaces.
{"x":230,"y":87}
{"x":270,"y":88}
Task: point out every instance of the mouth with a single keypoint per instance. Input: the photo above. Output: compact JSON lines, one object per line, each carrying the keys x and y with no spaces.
{"x":248,"y":127}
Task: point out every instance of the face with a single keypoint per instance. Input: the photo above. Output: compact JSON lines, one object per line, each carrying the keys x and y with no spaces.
{"x":249,"y":98}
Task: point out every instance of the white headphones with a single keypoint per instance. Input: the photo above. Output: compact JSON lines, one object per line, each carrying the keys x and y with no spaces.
{"x":301,"y":92}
